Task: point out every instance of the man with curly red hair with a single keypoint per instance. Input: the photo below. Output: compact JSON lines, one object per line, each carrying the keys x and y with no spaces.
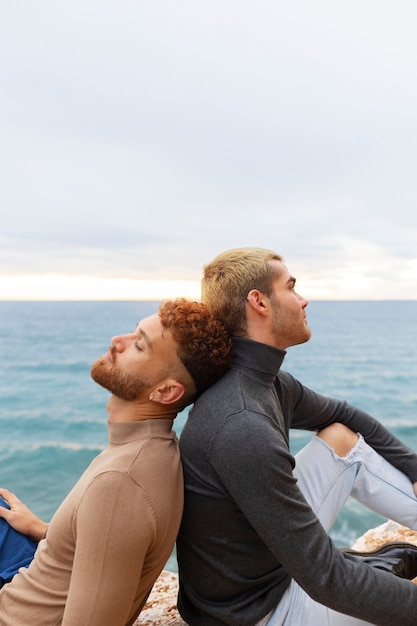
{"x":105,"y":546}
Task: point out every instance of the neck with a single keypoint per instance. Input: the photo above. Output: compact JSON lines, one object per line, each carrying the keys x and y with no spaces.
{"x":122,"y":411}
{"x":262,"y":334}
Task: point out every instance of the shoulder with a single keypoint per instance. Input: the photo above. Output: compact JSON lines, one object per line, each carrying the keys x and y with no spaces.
{"x":113,"y":499}
{"x":105,"y":485}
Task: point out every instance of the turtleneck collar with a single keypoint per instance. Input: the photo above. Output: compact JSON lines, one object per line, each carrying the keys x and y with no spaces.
{"x":125,"y":432}
{"x":257,"y":356}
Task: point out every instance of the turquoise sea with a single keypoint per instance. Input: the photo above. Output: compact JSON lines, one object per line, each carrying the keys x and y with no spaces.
{"x":53,"y":417}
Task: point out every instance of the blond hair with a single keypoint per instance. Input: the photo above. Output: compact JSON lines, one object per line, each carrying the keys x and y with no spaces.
{"x":228,"y":279}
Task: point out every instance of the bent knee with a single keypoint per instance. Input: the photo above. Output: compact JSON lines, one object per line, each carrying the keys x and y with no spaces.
{"x":339,"y":438}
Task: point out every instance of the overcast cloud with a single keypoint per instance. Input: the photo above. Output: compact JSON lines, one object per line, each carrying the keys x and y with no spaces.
{"x":141,"y":138}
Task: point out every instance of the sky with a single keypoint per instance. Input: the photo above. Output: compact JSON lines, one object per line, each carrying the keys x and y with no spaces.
{"x":139,"y":139}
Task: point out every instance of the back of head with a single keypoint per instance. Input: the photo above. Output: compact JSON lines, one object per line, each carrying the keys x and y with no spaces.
{"x":228,"y":279}
{"x":204,"y":346}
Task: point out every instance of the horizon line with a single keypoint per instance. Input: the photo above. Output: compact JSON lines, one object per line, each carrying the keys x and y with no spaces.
{"x":193,"y":299}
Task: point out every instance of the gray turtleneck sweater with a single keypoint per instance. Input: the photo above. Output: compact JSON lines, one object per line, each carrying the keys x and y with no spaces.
{"x":247,"y":529}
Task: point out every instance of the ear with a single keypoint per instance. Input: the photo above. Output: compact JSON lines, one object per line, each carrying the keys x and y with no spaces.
{"x":168,"y":392}
{"x":258,"y":301}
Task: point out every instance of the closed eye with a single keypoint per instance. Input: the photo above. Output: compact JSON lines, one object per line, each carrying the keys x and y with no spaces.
{"x":143,"y":339}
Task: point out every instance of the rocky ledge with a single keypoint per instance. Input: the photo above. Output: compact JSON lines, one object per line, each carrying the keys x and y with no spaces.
{"x":161,"y":607}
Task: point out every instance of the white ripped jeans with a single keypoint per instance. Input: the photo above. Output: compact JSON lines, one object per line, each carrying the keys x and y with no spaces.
{"x":327,"y":480}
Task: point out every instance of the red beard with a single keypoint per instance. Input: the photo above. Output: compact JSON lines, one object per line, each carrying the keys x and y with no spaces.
{"x":125,"y":386}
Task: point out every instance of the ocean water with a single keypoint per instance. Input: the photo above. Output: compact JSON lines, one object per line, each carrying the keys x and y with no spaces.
{"x":53,"y":416}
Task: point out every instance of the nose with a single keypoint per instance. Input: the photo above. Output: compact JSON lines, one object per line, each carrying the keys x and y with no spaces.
{"x":120,"y":342}
{"x":303,"y":301}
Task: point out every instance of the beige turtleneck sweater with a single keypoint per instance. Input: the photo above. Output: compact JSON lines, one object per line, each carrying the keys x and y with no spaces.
{"x":109,"y":539}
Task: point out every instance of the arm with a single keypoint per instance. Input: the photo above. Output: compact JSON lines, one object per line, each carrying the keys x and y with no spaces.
{"x":114,"y":528}
{"x":20,"y":517}
{"x":305,"y":409}
{"x":260,"y":480}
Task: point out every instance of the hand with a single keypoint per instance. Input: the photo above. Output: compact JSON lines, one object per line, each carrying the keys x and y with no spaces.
{"x":415,"y":488}
{"x":21,"y":518}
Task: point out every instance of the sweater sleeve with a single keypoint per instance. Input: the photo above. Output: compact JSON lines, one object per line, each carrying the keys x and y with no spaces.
{"x":114,"y":526}
{"x":305,"y":409}
{"x":256,"y":469}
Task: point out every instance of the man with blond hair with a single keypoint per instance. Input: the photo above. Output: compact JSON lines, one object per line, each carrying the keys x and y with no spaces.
{"x":253,"y":547}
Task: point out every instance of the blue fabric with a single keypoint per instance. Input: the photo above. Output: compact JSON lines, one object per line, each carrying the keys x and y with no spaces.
{"x":16,"y":550}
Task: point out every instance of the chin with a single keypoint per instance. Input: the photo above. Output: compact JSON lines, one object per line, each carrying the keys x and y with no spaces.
{"x":303,"y":339}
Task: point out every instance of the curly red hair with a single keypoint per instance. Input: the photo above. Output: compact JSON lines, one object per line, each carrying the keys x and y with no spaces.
{"x":204,"y":345}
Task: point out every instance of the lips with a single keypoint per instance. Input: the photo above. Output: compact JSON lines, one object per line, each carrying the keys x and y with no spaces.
{"x":109,"y":356}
